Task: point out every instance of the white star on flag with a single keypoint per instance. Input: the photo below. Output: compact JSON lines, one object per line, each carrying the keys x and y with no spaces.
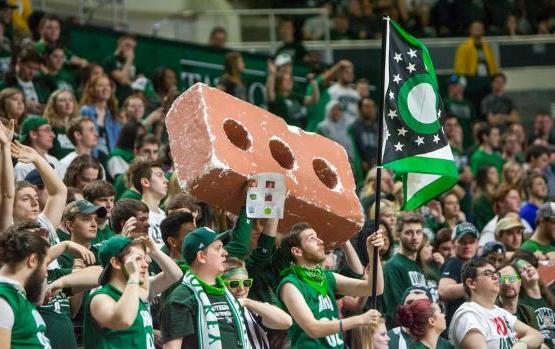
{"x":397,"y":78}
{"x":391,"y":95}
{"x":401,"y":131}
{"x":392,"y":113}
{"x":411,"y":68}
{"x":398,"y":146}
{"x":412,"y":53}
{"x":397,"y":57}
{"x":436,"y":139}
{"x":419,"y":140}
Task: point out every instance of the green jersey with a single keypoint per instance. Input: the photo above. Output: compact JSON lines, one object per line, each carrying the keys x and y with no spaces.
{"x":545,"y":316}
{"x":28,"y":329}
{"x":533,"y":246}
{"x":138,"y":335}
{"x":480,"y":158}
{"x":322,"y":307}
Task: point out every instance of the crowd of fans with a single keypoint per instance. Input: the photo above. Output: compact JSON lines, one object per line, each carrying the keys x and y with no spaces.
{"x":99,"y":247}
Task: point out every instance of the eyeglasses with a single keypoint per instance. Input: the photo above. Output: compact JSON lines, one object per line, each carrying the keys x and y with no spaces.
{"x":509,"y":279}
{"x":246,"y":283}
{"x":490,"y":274}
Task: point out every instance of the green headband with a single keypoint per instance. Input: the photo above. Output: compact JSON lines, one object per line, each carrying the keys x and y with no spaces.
{"x":519,"y":263}
{"x":235,"y":271}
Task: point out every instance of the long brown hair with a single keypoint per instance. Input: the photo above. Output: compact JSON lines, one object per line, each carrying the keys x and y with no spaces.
{"x":5,"y":94}
{"x":52,"y":114}
{"x":89,"y":96}
{"x":230,"y":67}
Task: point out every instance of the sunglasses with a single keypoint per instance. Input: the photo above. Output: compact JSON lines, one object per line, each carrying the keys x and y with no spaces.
{"x":246,"y":283}
{"x":504,"y":279}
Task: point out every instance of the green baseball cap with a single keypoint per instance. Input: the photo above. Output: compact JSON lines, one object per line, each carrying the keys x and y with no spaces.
{"x":82,"y":207}
{"x":110,"y":248}
{"x":464,"y":229}
{"x":198,"y":240}
{"x":31,"y":123}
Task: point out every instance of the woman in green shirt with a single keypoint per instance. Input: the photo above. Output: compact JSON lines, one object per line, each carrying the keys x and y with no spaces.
{"x":425,"y":322}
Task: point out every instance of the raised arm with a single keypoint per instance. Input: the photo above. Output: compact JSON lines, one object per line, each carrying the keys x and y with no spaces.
{"x":315,"y":96}
{"x":271,"y":81}
{"x":56,"y":189}
{"x":78,"y":281}
{"x":449,"y":289}
{"x":7,"y":182}
{"x":171,"y":273}
{"x":272,"y":316}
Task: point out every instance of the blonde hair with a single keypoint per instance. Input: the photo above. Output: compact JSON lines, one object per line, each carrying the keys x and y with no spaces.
{"x":385,"y":206}
{"x":363,"y":337}
{"x":52,"y":115}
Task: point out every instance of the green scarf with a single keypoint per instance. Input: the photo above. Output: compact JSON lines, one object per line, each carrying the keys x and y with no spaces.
{"x":125,"y":154}
{"x":314,"y":277}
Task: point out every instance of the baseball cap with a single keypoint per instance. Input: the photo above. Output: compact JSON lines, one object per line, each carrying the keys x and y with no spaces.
{"x":283,"y":59}
{"x":82,"y":207}
{"x":413,"y":288}
{"x":198,"y":240}
{"x":34,"y":178}
{"x":493,"y":246}
{"x":463,"y":229}
{"x":547,"y":210}
{"x":31,"y":123}
{"x":455,"y":79}
{"x":110,"y":248}
{"x":508,"y":222}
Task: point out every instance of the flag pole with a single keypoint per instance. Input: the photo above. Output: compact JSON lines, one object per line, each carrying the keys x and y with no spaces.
{"x":376,"y":256}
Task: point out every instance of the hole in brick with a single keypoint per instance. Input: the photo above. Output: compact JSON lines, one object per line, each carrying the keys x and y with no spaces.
{"x":282,"y":154}
{"x":237,"y":134}
{"x":325,"y":172}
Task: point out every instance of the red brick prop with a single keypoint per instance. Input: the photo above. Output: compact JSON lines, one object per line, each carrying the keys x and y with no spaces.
{"x":218,"y":141}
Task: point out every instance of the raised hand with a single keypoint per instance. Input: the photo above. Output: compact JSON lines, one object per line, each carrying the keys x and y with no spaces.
{"x":371,"y":318}
{"x":6,"y":133}
{"x":24,"y":153}
{"x":375,"y":240}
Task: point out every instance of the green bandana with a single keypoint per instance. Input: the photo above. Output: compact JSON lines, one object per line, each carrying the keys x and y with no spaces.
{"x":314,"y":277}
{"x":215,"y":290}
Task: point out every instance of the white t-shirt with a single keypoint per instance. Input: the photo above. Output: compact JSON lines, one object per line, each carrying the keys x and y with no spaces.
{"x":7,"y":319}
{"x":154,"y":220}
{"x":497,"y":325}
{"x":29,"y":90}
{"x":53,"y":238}
{"x":347,"y":97}
{"x":21,"y":170}
{"x":488,"y":233}
{"x":66,"y":160}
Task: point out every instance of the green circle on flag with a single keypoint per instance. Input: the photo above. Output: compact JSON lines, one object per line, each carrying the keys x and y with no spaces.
{"x":418,"y":104}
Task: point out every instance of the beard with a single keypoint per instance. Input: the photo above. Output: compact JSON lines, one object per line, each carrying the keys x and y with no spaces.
{"x":314,"y":256}
{"x":35,"y":286}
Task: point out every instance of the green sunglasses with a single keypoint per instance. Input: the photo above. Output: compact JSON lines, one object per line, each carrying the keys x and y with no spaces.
{"x":509,"y":278}
{"x":236,"y":283}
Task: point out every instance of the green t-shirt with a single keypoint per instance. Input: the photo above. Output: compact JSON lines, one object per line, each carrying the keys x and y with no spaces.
{"x":57,"y":315}
{"x":131,"y":194}
{"x":480,"y":158}
{"x":28,"y":330}
{"x":138,"y":335}
{"x":533,"y":246}
{"x":103,"y":234}
{"x":482,"y":206}
{"x":545,"y":316}
{"x":401,"y":339}
{"x":320,"y":306}
{"x":63,"y":235}
{"x":179,"y":319}
{"x":291,"y":108}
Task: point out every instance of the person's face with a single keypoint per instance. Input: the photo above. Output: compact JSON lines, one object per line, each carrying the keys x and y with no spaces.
{"x":336,"y":112}
{"x":426,"y":252}
{"x":439,"y":321}
{"x":493,"y":176}
{"x":286,"y":83}
{"x":465,"y":247}
{"x":184,"y":229}
{"x":286,"y":30}
{"x":214,"y":256}
{"x":27,"y":70}
{"x":312,"y":248}
{"x":387,"y":182}
{"x":86,"y":176}
{"x":528,"y":273}
{"x":135,"y":108}
{"x":35,"y":282}
{"x":498,"y":84}
{"x":218,"y":39}
{"x":56,"y":59}
{"x":170,"y":80}
{"x":451,"y":206}
{"x":510,"y":282}
{"x":512,"y":201}
{"x":511,"y":238}
{"x":450,"y":125}
{"x":347,"y":74}
{"x":387,"y":242}
{"x":415,"y":295}
{"x":240,"y":64}
{"x":380,"y":339}
{"x":44,"y":137}
{"x":141,"y":227}
{"x":97,"y":70}
{"x":477,"y":30}
{"x":51,"y":31}
{"x":149,"y":151}
{"x":487,"y":280}
{"x":543,"y":122}
{"x":547,"y":225}
{"x":89,"y":136}
{"x":142,"y":260}
{"x":107,"y":202}
{"x":363,"y":89}
{"x":411,"y":237}
{"x":15,"y":106}
{"x":26,"y":204}
{"x":127,"y":45}
{"x":541,"y":162}
{"x":241,"y":291}
{"x":83,"y":226}
{"x":103,"y":89}
{"x":511,"y":144}
{"x":158,"y":182}
{"x":539,"y":188}
{"x":494,"y":138}
{"x":389,"y":218}
{"x":368,"y":109}
{"x":64,"y":103}
{"x":446,"y":249}
{"x":496,"y":259}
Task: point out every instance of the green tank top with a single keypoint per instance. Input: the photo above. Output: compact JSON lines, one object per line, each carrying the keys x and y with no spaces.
{"x":28,"y":330}
{"x":321,"y":307}
{"x":139,"y":335}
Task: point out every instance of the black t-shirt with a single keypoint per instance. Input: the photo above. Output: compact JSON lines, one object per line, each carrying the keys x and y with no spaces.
{"x":452,"y":270}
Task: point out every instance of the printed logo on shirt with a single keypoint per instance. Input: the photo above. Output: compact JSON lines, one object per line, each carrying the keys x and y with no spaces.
{"x":505,"y":331}
{"x":222,"y":311}
{"x":324,"y":303}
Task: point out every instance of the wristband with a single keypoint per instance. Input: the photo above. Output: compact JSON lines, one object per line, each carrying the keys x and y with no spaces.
{"x":340,"y":325}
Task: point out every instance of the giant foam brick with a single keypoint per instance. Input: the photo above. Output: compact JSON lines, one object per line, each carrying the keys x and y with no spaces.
{"x":218,"y":141}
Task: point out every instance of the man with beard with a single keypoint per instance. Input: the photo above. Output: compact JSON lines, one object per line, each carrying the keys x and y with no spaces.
{"x":451,"y":290}
{"x":24,"y":256}
{"x":402,"y":271}
{"x":308,"y":291}
{"x":509,"y":281}
{"x":479,"y":323}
